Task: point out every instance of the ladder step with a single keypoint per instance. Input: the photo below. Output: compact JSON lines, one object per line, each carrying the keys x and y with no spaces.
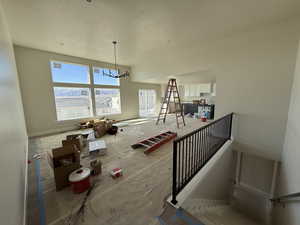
{"x":147,"y":146}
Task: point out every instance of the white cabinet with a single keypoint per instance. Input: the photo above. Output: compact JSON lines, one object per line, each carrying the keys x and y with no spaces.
{"x":205,"y":88}
{"x":194,"y":90}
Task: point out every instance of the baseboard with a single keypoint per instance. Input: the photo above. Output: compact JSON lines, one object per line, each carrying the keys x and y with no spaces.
{"x":52,"y":132}
{"x":66,"y":129}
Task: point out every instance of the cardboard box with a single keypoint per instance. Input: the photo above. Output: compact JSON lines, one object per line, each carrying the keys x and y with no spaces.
{"x":100,"y":128}
{"x":65,"y":160}
{"x":77,"y":143}
{"x":98,"y":147}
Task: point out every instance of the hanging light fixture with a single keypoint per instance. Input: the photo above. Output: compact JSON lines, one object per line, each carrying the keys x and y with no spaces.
{"x":118,"y":75}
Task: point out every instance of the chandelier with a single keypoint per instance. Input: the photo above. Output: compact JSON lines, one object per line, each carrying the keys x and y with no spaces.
{"x":118,"y":75}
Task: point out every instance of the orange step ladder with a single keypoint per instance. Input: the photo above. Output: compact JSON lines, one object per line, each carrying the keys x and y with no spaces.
{"x":171,"y":91}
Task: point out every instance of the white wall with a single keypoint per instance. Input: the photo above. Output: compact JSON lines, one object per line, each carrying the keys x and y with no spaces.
{"x":13,"y":138}
{"x":289,"y":181}
{"x":36,"y":86}
{"x":253,"y":68}
{"x":254,"y":76}
{"x":213,"y":181}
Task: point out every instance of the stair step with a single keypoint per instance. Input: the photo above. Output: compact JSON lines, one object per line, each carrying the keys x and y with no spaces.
{"x":212,"y":212}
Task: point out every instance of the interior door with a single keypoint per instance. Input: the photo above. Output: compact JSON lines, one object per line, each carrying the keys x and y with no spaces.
{"x":147,"y":102}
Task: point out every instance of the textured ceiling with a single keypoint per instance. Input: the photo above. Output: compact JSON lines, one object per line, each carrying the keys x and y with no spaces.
{"x":143,"y":27}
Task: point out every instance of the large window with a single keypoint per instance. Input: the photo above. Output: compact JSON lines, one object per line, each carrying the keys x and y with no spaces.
{"x":74,"y":89}
{"x":72,"y":103}
{"x":147,"y":102}
{"x":70,"y":73}
{"x":101,"y":79}
{"x":107,"y":101}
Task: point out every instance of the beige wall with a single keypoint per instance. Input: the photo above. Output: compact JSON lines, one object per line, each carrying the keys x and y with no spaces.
{"x":289,"y":181}
{"x":254,"y":76}
{"x":37,"y":93}
{"x":13,"y":137}
{"x":253,"y":68}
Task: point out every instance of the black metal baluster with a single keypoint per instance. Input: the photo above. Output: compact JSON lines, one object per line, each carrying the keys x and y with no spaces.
{"x":193,"y":155}
{"x":185,"y":160}
{"x":201,"y":149}
{"x":197,"y":151}
{"x":178,"y":165}
{"x":174,"y":191}
{"x":189,"y":162}
{"x":192,"y":151}
{"x":182,"y":164}
{"x":196,"y":147}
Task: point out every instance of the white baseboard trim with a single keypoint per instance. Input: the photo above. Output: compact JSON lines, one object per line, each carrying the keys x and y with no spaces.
{"x":52,"y":131}
{"x":66,"y":128}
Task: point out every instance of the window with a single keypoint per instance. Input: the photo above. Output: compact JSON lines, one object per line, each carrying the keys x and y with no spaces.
{"x":147,"y":102}
{"x":69,"y":73}
{"x":107,"y":101}
{"x":101,"y":79}
{"x":72,"y":103}
{"x":73,"y":90}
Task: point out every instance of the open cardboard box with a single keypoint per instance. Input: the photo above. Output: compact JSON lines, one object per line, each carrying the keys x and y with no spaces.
{"x":64,"y":161}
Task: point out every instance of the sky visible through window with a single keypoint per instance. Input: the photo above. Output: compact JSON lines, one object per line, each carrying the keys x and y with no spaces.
{"x":79,"y":74}
{"x":70,"y":73}
{"x":99,"y":78}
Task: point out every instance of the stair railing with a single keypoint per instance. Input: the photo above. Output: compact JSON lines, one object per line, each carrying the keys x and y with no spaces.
{"x":286,"y":198}
{"x":192,"y":151}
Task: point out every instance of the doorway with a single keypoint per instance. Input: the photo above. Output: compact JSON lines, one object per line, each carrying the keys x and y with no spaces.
{"x":147,"y":103}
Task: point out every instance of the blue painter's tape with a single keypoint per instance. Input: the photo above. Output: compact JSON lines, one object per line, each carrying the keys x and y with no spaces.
{"x":40,"y":197}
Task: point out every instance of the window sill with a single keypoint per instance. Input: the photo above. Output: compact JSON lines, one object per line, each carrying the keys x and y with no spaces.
{"x":88,"y":118}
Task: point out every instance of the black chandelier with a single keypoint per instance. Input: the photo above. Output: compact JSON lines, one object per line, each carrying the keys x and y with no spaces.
{"x":118,"y":75}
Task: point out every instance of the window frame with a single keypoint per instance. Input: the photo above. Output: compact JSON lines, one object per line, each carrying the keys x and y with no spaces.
{"x":105,"y":85}
{"x":80,"y":118}
{"x":107,"y":114}
{"x":63,"y":62}
{"x":155,"y":100}
{"x":91,"y":86}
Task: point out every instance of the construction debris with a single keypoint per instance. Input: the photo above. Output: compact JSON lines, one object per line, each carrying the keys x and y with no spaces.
{"x":97,"y":146}
{"x":117,"y":172}
{"x":100,"y":126}
{"x":96,"y":167}
{"x":36,"y":156}
{"x":64,"y":161}
{"x":80,"y":180}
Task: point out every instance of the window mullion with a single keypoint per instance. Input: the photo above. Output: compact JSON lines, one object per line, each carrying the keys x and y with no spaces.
{"x":92,"y":90}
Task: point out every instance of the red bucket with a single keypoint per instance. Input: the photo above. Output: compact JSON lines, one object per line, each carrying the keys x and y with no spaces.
{"x":80,"y":180}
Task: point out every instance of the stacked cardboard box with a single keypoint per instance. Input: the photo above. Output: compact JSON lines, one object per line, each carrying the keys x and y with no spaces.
{"x":65,"y":160}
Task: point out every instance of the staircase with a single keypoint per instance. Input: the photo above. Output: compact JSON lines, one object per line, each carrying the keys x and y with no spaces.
{"x":217,"y":212}
{"x":216,"y":184}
